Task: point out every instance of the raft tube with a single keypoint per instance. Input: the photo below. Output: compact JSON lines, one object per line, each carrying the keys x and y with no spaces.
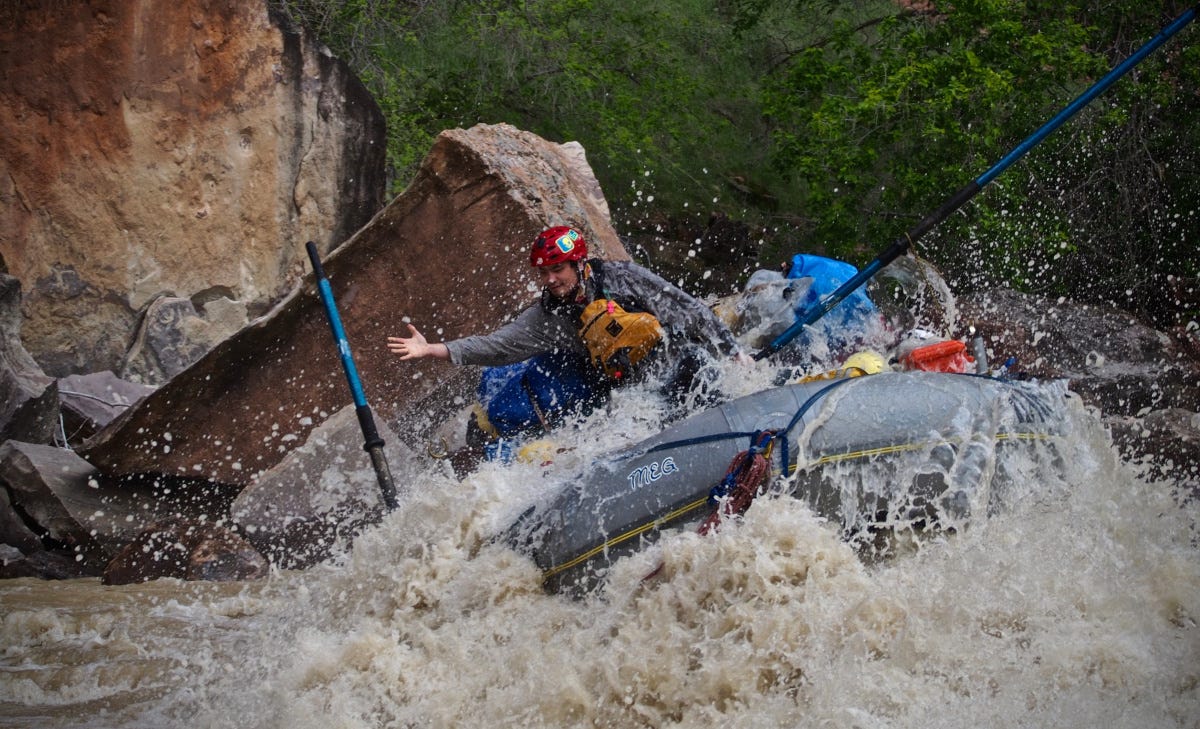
{"x":924,"y":444}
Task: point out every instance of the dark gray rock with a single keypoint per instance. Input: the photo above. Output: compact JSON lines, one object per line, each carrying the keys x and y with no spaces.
{"x":28,"y":398}
{"x":1166,"y":443}
{"x":90,"y":402}
{"x":174,"y":333}
{"x":14,"y":532}
{"x":42,"y":565}
{"x":187,"y":550}
{"x":50,"y":487}
{"x":1145,"y":383}
{"x":1114,"y":362}
{"x":323,"y":492}
{"x":74,"y":510}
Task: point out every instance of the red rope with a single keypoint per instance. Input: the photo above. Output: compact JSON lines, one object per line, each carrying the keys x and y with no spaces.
{"x":748,"y":470}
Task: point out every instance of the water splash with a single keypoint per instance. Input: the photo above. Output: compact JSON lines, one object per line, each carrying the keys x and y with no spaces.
{"x":1077,"y":607}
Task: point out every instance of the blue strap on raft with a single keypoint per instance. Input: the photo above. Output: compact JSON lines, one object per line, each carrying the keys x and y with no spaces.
{"x":518,"y":398}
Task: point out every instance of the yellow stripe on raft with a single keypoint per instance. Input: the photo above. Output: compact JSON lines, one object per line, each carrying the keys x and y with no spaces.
{"x":685,"y":509}
{"x":884,"y":450}
{"x":688,"y":508}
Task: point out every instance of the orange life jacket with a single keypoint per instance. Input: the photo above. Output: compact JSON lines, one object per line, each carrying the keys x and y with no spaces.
{"x":617,"y":340}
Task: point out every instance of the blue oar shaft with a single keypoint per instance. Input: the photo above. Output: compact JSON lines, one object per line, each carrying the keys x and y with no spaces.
{"x":373,"y":444}
{"x":968,"y":191}
{"x":339,"y":336}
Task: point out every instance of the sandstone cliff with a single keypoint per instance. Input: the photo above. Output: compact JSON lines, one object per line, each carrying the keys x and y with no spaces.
{"x":155,"y":149}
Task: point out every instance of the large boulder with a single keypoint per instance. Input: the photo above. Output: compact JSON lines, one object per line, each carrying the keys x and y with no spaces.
{"x":320,"y":494}
{"x":449,"y":255}
{"x":1116,"y":363}
{"x":169,"y":148}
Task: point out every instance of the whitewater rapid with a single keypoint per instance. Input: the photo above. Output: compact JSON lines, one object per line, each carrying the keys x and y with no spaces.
{"x":1076,"y":607}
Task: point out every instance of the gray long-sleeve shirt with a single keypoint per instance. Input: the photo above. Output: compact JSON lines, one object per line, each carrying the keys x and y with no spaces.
{"x":684,"y":319}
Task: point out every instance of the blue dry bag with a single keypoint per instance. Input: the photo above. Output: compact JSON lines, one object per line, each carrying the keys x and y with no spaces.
{"x":846,"y":322}
{"x":553,"y":382}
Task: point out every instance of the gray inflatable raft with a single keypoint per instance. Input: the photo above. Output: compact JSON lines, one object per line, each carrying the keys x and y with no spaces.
{"x":924,"y":447}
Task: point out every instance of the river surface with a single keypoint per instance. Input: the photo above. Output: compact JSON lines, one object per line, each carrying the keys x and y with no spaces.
{"x":1075,"y":607}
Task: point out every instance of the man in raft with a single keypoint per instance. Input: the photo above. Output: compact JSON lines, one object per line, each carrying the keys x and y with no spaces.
{"x":621,"y":320}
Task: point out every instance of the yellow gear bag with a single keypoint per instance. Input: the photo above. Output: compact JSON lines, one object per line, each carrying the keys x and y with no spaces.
{"x":616,"y":339}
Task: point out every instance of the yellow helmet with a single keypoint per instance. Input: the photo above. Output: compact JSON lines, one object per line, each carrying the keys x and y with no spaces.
{"x":539,"y":451}
{"x":866,"y":362}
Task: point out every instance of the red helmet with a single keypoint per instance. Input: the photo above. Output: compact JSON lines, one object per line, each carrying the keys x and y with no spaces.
{"x":557,"y":245}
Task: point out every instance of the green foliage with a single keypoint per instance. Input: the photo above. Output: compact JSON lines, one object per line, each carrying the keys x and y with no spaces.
{"x":831,"y":126}
{"x":880,"y":129}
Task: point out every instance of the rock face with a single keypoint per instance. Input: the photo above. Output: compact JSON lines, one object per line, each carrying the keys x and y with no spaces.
{"x":1114,"y":362}
{"x":183,"y":149}
{"x":449,"y":255}
{"x":28,"y":398}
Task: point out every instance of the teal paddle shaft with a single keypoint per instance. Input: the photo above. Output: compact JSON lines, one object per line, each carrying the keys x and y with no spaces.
{"x":968,"y":191}
{"x":374,"y":444}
